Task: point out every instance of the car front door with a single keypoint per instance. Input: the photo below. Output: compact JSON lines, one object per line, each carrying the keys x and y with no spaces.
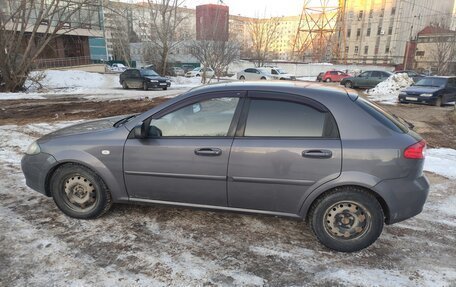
{"x":363,"y":79}
{"x":185,"y":158}
{"x":375,"y":78}
{"x":134,"y":79}
{"x":284,"y":146}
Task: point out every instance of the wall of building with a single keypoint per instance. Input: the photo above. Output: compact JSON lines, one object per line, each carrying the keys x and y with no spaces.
{"x":212,"y":22}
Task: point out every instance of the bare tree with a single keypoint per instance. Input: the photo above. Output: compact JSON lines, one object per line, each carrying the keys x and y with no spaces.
{"x":117,"y":18}
{"x":215,"y":54}
{"x":444,"y":53}
{"x":26,"y":29}
{"x":161,"y":23}
{"x":263,"y":33}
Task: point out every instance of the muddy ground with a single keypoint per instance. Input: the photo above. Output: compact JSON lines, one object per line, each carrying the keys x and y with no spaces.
{"x":136,"y":245}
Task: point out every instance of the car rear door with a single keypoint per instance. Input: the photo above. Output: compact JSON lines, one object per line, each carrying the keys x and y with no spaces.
{"x":450,"y":94}
{"x":362,"y":80}
{"x":188,"y":162}
{"x":134,"y":79}
{"x":285,"y":145}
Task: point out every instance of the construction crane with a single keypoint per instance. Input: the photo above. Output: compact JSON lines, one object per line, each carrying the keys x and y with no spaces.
{"x":321,"y":31}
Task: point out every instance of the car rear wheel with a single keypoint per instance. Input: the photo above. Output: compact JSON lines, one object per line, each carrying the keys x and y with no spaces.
{"x":348,"y":84}
{"x":241,"y":78}
{"x":198,"y":75}
{"x":347,"y":219}
{"x":165,"y":88}
{"x":124,"y":85}
{"x":263,"y":78}
{"x":328,"y":80}
{"x":79,"y":192}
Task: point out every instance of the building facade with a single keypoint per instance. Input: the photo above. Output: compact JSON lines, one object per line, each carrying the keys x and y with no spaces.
{"x":212,"y":22}
{"x":377,"y":31}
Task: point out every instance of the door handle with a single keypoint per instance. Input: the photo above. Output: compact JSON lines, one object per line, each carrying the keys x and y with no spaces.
{"x":208,"y":151}
{"x":316,"y":153}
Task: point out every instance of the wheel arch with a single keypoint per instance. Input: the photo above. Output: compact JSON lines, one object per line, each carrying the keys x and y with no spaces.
{"x":314,"y":196}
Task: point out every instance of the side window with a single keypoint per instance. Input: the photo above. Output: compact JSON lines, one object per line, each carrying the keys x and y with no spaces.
{"x":385,"y":75}
{"x":365,"y":74}
{"x":376,"y":74}
{"x":209,"y":118}
{"x":333,"y":72}
{"x":250,"y":70}
{"x":136,"y":73}
{"x":274,"y":118}
{"x":274,"y":72}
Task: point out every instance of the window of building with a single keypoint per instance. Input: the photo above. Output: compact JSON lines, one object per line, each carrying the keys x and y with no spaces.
{"x":366,"y":49}
{"x":390,"y":30}
{"x":347,"y":49}
{"x":393,"y":11}
{"x":387,"y":49}
{"x":356,"y":49}
{"x":360,"y":14}
{"x":420,"y":53}
{"x":358,"y":32}
{"x":382,"y":12}
{"x":379,"y":30}
{"x":368,"y":32}
{"x":348,"y":33}
{"x":371,"y":13}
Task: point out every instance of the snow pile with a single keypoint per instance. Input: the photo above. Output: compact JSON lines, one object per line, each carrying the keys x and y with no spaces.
{"x":441,"y":161}
{"x":73,"y":79}
{"x":388,"y":90}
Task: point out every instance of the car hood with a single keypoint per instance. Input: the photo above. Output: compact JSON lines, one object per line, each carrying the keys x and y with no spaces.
{"x":421,"y":90}
{"x":85,"y":127}
{"x":157,"y":78}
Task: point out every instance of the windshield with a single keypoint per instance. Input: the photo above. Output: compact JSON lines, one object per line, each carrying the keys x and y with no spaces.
{"x":431,"y":82}
{"x":196,"y":69}
{"x":281,"y":71}
{"x":147,"y":72}
{"x":263,"y":70}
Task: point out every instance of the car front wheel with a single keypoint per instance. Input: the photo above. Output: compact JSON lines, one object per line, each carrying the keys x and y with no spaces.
{"x":79,"y":192}
{"x":242,"y":78}
{"x":124,"y":85}
{"x":438,"y":102}
{"x":347,"y":219}
{"x":328,"y":80}
{"x":348,"y":84}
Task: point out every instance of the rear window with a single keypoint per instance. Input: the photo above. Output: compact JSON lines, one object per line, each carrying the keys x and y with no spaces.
{"x":382,"y":116}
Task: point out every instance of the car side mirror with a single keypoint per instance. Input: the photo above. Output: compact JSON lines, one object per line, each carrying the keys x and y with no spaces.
{"x":140,"y":131}
{"x":154,"y":132}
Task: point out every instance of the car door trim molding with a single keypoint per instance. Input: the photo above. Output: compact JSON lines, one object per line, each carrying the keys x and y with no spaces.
{"x":271,"y":180}
{"x":216,"y":207}
{"x":177,"y":175}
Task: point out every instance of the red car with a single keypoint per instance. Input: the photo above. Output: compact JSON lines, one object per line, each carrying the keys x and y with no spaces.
{"x":334,"y":76}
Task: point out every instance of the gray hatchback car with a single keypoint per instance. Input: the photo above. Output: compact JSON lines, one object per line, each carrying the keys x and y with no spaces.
{"x":291,"y":149}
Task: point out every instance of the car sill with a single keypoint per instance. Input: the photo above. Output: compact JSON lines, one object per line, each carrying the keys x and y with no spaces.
{"x":225,"y":208}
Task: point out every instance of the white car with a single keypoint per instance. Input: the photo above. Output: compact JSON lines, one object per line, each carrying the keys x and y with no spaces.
{"x":198,"y":72}
{"x":255,"y":74}
{"x":117,"y":67}
{"x":280,"y":74}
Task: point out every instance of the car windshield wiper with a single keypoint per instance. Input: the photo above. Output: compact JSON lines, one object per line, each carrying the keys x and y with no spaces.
{"x":123,"y":121}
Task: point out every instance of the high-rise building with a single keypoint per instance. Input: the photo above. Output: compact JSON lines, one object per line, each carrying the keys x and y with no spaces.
{"x":212,"y":22}
{"x":377,"y":31}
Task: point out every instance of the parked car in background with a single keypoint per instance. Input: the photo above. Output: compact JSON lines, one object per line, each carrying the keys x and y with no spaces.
{"x":430,"y":90}
{"x":367,"y":79}
{"x":177,"y":71}
{"x":412,"y":74}
{"x":117,"y":67}
{"x":198,"y":72}
{"x":187,"y":67}
{"x":289,"y":149}
{"x":334,"y":76}
{"x":280,"y":74}
{"x":143,"y":79}
{"x":253,"y":74}
{"x":320,"y":77}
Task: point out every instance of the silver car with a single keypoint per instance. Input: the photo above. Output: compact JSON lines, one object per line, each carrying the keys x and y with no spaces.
{"x":291,"y":149}
{"x":252,"y":74}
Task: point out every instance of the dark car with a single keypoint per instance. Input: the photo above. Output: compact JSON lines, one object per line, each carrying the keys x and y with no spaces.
{"x":412,"y":74}
{"x":320,"y":77}
{"x":367,"y":79}
{"x":143,"y":79}
{"x":284,"y":148}
{"x":430,"y":90}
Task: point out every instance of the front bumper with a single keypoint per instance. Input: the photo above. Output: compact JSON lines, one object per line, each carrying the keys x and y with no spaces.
{"x":158,"y":84}
{"x":416,"y":99}
{"x":35,"y":169}
{"x":404,"y":197}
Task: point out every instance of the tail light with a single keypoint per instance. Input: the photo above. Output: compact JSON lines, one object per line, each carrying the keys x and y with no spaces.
{"x":416,"y":151}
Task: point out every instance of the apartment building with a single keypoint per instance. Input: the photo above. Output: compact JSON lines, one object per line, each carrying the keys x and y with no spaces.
{"x":377,"y":31}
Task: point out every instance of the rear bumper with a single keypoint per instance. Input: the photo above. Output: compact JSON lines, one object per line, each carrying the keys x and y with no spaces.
{"x":404,"y":197}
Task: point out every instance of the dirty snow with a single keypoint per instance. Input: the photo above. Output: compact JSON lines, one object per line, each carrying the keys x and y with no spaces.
{"x":311,"y":79}
{"x":94,"y":86}
{"x":441,"y":161}
{"x":388,"y":90}
{"x":165,"y":246}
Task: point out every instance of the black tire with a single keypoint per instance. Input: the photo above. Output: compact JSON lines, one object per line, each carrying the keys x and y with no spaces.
{"x":145,"y":87}
{"x":347,"y":219}
{"x":348,"y":84}
{"x":124,"y":85}
{"x":80,"y":179}
{"x":165,"y":88}
{"x":198,"y":75}
{"x":242,"y":78}
{"x":263,"y":78}
{"x":328,"y":80}
{"x":438,"y":102}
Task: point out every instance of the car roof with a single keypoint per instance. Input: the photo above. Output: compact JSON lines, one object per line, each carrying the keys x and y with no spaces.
{"x":292,"y":87}
{"x":441,"y":77}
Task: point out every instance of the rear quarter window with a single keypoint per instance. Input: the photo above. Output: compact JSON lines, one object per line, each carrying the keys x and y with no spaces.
{"x":381,"y":116}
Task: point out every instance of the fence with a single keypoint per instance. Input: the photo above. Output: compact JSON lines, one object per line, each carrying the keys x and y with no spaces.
{"x":64,"y":62}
